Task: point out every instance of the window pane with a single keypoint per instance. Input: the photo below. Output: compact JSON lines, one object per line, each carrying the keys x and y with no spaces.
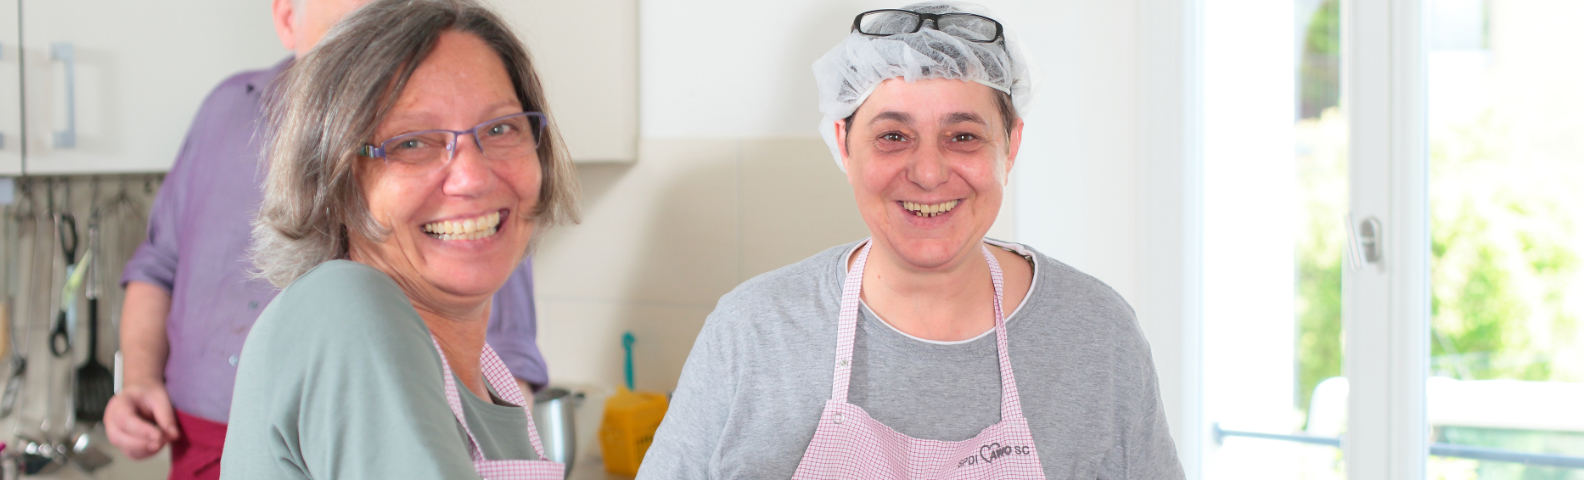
{"x":1508,"y":213}
{"x":1275,"y":200}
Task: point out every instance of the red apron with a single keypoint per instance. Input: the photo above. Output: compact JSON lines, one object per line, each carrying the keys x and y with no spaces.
{"x":502,"y":381}
{"x":196,"y":455}
{"x":849,"y":444}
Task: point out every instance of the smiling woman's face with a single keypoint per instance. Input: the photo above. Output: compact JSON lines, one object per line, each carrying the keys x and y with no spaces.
{"x":456,"y":234}
{"x":928,"y":163}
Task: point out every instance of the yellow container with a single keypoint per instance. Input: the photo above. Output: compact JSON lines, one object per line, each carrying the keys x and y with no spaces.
{"x":628,"y":423}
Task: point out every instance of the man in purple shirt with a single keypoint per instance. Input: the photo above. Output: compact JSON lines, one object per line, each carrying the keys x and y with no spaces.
{"x":190,"y":301}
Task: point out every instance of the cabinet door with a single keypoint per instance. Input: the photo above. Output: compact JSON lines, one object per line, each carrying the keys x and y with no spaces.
{"x":10,"y":90}
{"x":112,"y":86}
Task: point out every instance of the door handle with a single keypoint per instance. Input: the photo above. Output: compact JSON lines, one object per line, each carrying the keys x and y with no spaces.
{"x":1363,"y":241}
{"x":64,"y":53}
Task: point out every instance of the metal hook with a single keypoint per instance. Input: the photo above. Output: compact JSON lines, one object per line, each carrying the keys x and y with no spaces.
{"x":25,"y":187}
{"x":66,"y":183}
{"x":93,"y":195}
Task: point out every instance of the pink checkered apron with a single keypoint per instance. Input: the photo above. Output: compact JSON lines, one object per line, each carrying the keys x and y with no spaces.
{"x":849,"y":444}
{"x":502,"y":381}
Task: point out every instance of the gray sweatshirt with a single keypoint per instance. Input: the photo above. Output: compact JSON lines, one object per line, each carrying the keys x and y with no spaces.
{"x":754,"y":385}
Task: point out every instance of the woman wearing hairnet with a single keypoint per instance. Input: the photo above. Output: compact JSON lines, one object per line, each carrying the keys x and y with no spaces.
{"x":899,"y":356}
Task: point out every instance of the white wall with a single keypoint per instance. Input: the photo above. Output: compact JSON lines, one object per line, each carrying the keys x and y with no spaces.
{"x":1078,"y":174}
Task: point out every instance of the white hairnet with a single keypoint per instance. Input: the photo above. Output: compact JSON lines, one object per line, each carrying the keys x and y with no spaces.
{"x":847,"y":74}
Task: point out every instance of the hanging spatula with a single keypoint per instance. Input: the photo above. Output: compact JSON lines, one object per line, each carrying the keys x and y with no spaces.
{"x":95,"y":383}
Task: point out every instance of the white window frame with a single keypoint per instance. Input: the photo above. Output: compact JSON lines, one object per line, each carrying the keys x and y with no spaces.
{"x":1385,"y":306}
{"x":1170,"y":146}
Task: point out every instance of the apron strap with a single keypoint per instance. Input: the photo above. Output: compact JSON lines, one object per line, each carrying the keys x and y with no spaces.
{"x":849,"y":310}
{"x":497,"y":375}
{"x":1009,"y":400}
{"x":502,"y":380}
{"x":450,"y":388}
{"x":849,"y":307}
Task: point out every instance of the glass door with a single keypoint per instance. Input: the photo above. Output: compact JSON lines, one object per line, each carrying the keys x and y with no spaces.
{"x":1509,"y":218}
{"x":1275,"y":199}
{"x":1396,"y":197}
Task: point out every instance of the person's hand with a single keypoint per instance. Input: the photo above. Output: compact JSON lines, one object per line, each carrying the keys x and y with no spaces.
{"x":140,"y":420}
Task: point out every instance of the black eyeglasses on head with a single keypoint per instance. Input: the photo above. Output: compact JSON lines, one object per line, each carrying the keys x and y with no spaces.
{"x":973,"y":27}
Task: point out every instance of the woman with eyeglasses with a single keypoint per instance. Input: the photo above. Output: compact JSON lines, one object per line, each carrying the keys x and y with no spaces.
{"x":411,"y":163}
{"x":899,"y":356}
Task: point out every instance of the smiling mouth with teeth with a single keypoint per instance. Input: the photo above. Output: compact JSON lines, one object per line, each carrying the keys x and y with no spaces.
{"x":466,"y":229}
{"x":926,"y":210}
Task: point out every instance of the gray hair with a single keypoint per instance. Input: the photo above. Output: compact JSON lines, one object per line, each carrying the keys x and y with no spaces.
{"x":328,"y":104}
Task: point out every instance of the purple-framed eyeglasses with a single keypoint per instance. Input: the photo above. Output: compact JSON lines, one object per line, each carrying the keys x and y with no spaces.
{"x":506,"y":138}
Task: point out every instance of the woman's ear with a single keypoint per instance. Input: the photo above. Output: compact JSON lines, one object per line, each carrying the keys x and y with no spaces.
{"x":1015,"y":145}
{"x":285,"y":19}
{"x":844,"y":149}
{"x":840,"y":134}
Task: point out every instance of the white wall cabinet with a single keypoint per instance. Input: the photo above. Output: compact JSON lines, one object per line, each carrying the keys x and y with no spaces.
{"x":112,"y":86}
{"x":10,"y":90}
{"x":98,"y":86}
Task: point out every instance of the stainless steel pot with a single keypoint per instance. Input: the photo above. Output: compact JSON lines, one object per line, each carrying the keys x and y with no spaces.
{"x":553,"y":413}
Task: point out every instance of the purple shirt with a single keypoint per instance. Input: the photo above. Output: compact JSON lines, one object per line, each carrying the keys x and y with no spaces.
{"x":199,"y":233}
